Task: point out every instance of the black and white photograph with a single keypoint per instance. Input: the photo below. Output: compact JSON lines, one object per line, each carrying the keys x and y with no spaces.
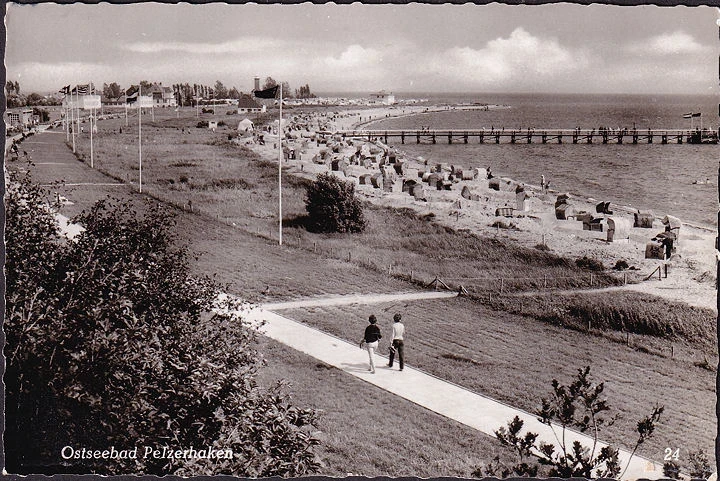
{"x":397,"y":240}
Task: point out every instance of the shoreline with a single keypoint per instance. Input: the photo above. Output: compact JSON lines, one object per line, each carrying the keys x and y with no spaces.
{"x":691,"y":268}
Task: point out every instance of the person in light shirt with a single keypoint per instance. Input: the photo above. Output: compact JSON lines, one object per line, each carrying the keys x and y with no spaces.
{"x":398,"y":333}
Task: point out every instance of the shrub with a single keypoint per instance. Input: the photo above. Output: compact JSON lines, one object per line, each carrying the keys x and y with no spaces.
{"x":621,"y":265}
{"x":332,"y":206}
{"x":203,"y":124}
{"x":111,"y":342}
{"x":590,"y":264}
{"x":579,"y":406}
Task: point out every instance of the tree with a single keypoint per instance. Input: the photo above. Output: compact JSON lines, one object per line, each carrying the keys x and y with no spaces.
{"x":580,"y":406}
{"x":112,"y":91}
{"x":269,"y":82}
{"x":286,"y":92}
{"x":111,"y":342}
{"x":145,"y":85}
{"x":221,"y":92}
{"x":304,"y":92}
{"x":332,"y":206}
{"x":234,"y":93}
{"x":34,"y":99}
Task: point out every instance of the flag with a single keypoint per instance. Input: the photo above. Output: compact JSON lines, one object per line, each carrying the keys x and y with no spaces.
{"x":132,"y":98}
{"x":691,"y":115}
{"x":270,"y":93}
{"x":83,"y":89}
{"x":65,"y":90}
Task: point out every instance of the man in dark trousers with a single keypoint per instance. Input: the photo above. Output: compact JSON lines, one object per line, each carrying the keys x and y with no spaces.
{"x":398,"y":334}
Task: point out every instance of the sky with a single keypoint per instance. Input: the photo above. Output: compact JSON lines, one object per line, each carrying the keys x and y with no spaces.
{"x":558,"y":48}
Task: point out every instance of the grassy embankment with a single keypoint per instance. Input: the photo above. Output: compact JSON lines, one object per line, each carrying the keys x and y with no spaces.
{"x":210,"y":165}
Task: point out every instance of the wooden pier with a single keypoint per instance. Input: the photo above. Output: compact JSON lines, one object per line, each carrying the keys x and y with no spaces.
{"x":532,"y":136}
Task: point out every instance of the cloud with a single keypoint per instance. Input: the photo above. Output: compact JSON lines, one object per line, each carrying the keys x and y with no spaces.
{"x":520,"y":58}
{"x":237,"y":46}
{"x":669,"y":44}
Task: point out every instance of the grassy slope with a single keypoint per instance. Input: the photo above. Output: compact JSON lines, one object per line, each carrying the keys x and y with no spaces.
{"x":514,"y":359}
{"x":290,"y":275}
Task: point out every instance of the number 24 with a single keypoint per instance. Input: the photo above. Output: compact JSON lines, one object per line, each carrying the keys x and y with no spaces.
{"x":671,"y":455}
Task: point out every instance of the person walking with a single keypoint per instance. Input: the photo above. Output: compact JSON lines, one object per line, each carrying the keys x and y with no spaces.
{"x":370,"y":340}
{"x":398,"y":342}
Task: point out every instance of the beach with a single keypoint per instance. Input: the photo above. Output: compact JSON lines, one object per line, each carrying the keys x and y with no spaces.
{"x":687,"y":276}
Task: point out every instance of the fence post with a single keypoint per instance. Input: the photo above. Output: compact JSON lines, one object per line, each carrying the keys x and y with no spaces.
{"x":624,"y":278}
{"x":591,"y":280}
{"x":502,"y":284}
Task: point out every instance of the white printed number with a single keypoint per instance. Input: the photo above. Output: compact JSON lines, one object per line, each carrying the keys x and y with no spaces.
{"x":671,"y":455}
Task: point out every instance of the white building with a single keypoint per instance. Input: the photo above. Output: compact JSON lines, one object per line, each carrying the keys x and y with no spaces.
{"x":382,"y":97}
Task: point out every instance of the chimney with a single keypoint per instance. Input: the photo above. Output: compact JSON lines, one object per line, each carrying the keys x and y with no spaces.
{"x":257,"y":83}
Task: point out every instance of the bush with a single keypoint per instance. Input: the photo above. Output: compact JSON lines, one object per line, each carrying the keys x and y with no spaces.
{"x":111,"y":342}
{"x":203,"y":124}
{"x":590,"y":264}
{"x":580,"y":406}
{"x":332,"y":206}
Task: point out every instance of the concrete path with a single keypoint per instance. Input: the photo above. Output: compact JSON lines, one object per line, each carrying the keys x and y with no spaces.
{"x":447,"y":399}
{"x":358,"y":299}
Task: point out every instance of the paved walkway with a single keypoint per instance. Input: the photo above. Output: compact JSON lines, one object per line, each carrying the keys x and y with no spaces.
{"x":447,"y":399}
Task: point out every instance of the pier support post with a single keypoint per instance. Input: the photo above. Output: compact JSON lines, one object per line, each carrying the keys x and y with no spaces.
{"x":559,"y":138}
{"x":449,"y":138}
{"x":402,"y":137}
{"x":512,"y":138}
{"x":386,"y":137}
{"x":620,"y":139}
{"x":575,"y":138}
{"x":418,"y":138}
{"x":497,"y":138}
{"x":605,"y":137}
{"x":590,"y":138}
{"x":465,"y":137}
{"x":433,"y":138}
{"x":544,"y":138}
{"x":482,"y":138}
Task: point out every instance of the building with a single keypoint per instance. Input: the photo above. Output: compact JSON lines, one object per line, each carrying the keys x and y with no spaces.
{"x":162,"y":96}
{"x":247,"y":105}
{"x":382,"y":97}
{"x":20,"y":118}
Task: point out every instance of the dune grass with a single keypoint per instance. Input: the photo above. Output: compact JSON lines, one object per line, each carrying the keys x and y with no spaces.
{"x":514,"y":359}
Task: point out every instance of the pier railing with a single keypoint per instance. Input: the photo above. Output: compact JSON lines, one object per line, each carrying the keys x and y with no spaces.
{"x":530,"y":136}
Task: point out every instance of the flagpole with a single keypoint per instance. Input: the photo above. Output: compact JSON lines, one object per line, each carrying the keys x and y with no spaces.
{"x":139,"y":100}
{"x":72,"y":120}
{"x":92,"y":119}
{"x":77,"y":106}
{"x":280,"y":159}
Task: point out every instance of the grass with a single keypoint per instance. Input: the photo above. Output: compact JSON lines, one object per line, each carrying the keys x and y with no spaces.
{"x":512,"y":356}
{"x":360,"y":432}
{"x":631,"y":312}
{"x":514,"y":359}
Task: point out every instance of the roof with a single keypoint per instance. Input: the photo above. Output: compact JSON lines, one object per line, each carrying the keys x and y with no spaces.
{"x":246,"y":102}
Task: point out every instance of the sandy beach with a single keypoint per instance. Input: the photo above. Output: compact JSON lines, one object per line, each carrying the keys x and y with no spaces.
{"x":690,"y":270}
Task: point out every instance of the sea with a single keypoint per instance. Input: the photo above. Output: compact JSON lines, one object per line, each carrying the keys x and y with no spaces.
{"x":664,"y":179}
